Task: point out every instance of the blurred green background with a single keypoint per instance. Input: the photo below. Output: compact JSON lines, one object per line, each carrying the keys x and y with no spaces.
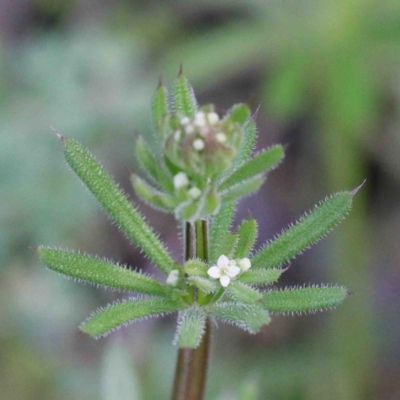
{"x":325,"y":79}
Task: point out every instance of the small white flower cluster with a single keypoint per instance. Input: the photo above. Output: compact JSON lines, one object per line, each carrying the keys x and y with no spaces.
{"x":227,"y":269}
{"x":202,"y":124}
{"x":181,"y":181}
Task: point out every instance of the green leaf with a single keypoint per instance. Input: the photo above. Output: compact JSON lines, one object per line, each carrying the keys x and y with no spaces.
{"x":183,"y":96}
{"x":220,"y":224}
{"x":243,"y":293}
{"x":308,"y":230}
{"x":101,"y":272}
{"x":249,"y":317}
{"x":261,"y":276}
{"x":304,"y":300}
{"x":228,"y":244}
{"x":247,"y":234}
{"x":124,"y":313}
{"x":242,"y":189}
{"x":190,"y":329}
{"x":196,"y":267}
{"x":152,"y":196}
{"x":248,"y":140}
{"x":153,"y":168}
{"x":239,"y":113}
{"x":116,"y":204}
{"x":204,"y":284}
{"x":260,"y":164}
{"x":160,"y":109}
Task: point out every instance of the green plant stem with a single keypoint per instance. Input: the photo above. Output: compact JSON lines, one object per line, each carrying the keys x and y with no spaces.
{"x":191,"y":365}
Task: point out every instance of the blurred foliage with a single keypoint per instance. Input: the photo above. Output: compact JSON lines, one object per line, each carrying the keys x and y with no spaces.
{"x":327,"y":78}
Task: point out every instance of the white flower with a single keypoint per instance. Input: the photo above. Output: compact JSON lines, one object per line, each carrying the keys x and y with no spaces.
{"x":199,"y":119}
{"x":221,"y":137}
{"x":189,"y":129}
{"x":212,"y":118}
{"x":173,"y":278}
{"x":194,"y":193}
{"x":180,"y":180}
{"x":184,"y":121}
{"x":225,"y":270}
{"x":198,"y":144}
{"x":244,"y":264}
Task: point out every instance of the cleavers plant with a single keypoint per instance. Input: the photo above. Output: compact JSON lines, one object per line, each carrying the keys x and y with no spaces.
{"x":198,"y":167}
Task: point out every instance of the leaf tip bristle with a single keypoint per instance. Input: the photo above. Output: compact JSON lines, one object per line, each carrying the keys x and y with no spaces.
{"x":180,"y":72}
{"x":255,"y":113}
{"x":355,"y":191}
{"x":61,"y":137}
{"x":33,"y":248}
{"x":160,"y":82}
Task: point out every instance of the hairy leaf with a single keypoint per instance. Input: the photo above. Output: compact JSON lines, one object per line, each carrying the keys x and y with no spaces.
{"x":260,"y":164}
{"x":196,"y":267}
{"x":308,"y":230}
{"x":124,"y":313}
{"x":249,"y":317}
{"x":242,"y":189}
{"x":220,"y":224}
{"x":261,"y":276}
{"x":153,"y":168}
{"x":249,"y":137}
{"x":247,"y":233}
{"x":190,"y":329}
{"x":239,"y":113}
{"x":155,"y":198}
{"x":160,"y":109}
{"x":101,"y":272}
{"x":228,"y":244}
{"x":116,"y":204}
{"x":205,"y":284}
{"x":183,"y":96}
{"x":243,"y":293}
{"x":304,"y":299}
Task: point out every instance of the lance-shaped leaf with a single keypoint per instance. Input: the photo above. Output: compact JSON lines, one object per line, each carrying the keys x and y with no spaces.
{"x":249,"y":317}
{"x":228,"y":244}
{"x":220,"y":225}
{"x":196,"y":267}
{"x":247,"y":233}
{"x":261,"y":276}
{"x":183,"y":97}
{"x":304,"y":299}
{"x":116,"y":204}
{"x":239,"y":113}
{"x":160,"y":109}
{"x":190,"y":329}
{"x":249,"y":137}
{"x":204,"y":284}
{"x":152,"y":167}
{"x":155,"y":198}
{"x":260,"y":164}
{"x":242,"y":189}
{"x":124,"y":313}
{"x":243,"y":293}
{"x":308,"y":230}
{"x":101,"y":272}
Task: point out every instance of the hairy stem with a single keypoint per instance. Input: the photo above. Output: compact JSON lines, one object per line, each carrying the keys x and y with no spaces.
{"x":191,"y":365}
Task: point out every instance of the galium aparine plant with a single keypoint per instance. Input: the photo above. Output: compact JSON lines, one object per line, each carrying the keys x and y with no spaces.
{"x":198,"y":167}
